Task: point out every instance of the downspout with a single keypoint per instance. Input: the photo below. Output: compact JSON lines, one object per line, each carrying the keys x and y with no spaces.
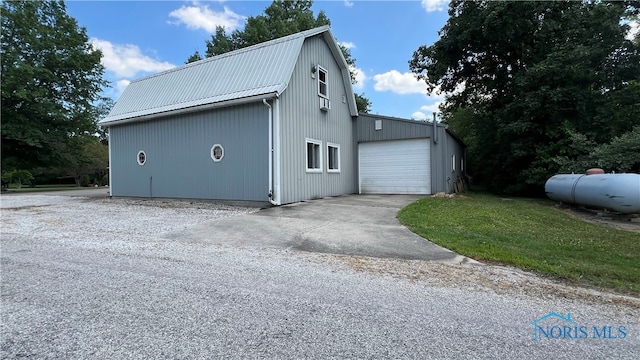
{"x":276,"y":152}
{"x":270,"y":195}
{"x":110,"y":161}
{"x":435,"y":129}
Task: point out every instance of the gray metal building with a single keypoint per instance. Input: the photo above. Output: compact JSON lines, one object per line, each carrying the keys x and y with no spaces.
{"x":407,"y":157}
{"x":272,"y":122}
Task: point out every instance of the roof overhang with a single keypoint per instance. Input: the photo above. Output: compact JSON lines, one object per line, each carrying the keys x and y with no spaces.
{"x":210,"y":106}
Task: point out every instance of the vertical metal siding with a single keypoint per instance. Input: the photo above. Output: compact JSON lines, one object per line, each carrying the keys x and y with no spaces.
{"x":179,"y":163}
{"x":302,"y":118}
{"x":392,"y":128}
{"x":442,"y":178}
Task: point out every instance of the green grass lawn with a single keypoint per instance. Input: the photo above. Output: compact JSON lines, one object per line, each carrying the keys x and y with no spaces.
{"x":530,"y":234}
{"x":41,"y":188}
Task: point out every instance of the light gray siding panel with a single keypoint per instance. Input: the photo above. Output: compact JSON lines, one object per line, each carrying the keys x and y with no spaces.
{"x":392,"y":128}
{"x":179,"y":163}
{"x":301,"y":117}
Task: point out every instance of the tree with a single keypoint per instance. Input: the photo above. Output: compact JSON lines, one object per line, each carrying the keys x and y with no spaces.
{"x":537,"y":76}
{"x":220,"y":43}
{"x":281,"y":18}
{"x":91,"y":163}
{"x":18,"y":177}
{"x":194,"y":57}
{"x":102,"y":110}
{"x":51,"y":76}
{"x":622,"y":154}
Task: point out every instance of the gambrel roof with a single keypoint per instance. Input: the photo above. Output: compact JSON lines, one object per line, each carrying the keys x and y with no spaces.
{"x":240,"y":76}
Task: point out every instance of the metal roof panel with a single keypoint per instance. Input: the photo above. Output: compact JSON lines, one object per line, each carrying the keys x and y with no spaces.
{"x":261,"y":69}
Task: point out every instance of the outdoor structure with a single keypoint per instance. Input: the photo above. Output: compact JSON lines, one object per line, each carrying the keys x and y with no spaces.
{"x":399,"y":156}
{"x":272,"y":122}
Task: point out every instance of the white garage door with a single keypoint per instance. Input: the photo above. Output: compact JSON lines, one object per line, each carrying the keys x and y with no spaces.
{"x":395,"y":167}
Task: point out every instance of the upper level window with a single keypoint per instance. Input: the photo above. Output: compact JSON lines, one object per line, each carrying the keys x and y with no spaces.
{"x":314,"y":155}
{"x":322,"y":82}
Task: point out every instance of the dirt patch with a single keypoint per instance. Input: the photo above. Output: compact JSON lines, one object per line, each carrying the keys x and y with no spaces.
{"x":501,"y":280}
{"x":621,"y":222}
{"x":173,"y":204}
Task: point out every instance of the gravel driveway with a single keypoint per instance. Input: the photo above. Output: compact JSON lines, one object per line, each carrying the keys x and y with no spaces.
{"x":97,"y":278}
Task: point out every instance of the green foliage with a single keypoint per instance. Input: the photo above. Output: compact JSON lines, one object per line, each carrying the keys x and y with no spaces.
{"x":18,"y":177}
{"x":194,"y":57}
{"x":51,"y":77}
{"x":92,"y":161}
{"x":84,"y":180}
{"x":541,"y":81}
{"x":362,"y":103}
{"x":281,"y":18}
{"x":529,"y":234}
{"x":621,"y":155}
{"x":102,"y":110}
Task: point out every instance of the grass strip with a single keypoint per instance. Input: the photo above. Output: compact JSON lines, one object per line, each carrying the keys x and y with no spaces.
{"x":530,"y":234}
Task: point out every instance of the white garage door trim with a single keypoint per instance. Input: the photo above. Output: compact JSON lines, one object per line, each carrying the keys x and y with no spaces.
{"x":394,"y":167}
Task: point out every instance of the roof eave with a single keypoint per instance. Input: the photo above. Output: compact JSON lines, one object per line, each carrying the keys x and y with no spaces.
{"x":233,"y":102}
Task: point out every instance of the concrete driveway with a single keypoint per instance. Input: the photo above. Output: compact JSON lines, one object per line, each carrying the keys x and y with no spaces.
{"x":363,"y":225}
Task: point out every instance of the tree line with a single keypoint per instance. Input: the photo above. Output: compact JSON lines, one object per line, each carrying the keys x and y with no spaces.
{"x":52,"y":82}
{"x":537,"y":88}
{"x":533,"y":88}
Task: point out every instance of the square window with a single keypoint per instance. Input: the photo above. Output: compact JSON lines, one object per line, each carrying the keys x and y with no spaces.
{"x":314,"y":155}
{"x":322,"y":82}
{"x":333,"y":158}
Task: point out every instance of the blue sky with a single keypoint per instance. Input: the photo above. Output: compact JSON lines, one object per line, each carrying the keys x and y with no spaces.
{"x":139,"y":38}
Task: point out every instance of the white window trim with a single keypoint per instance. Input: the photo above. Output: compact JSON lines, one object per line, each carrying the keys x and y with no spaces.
{"x":306,"y":155}
{"x":138,"y":157}
{"x":453,"y":163}
{"x":330,"y":145}
{"x":326,"y":83}
{"x":213,"y":157}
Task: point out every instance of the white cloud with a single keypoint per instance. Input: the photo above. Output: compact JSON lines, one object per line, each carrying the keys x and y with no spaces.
{"x":418,"y":115}
{"x":434,"y":5}
{"x":121,"y":85}
{"x":430,"y":109}
{"x":347,"y":44}
{"x":348,"y":3}
{"x":202,"y":17}
{"x":405,"y":83}
{"x":360,"y":77}
{"x":127,"y":60}
{"x":634,"y":30}
{"x":426,"y":111}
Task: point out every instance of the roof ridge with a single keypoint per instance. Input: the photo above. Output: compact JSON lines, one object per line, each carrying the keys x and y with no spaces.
{"x":305,"y":34}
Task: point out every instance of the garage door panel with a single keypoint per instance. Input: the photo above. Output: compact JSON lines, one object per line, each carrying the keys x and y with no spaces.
{"x":395,"y":167}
